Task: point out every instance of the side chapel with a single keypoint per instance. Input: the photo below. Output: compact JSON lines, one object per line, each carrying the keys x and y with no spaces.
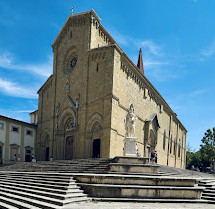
{"x":84,"y":103}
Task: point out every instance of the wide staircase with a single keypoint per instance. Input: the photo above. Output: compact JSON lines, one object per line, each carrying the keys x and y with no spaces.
{"x":38,"y":190}
{"x":98,"y":165}
{"x":136,"y":180}
{"x":209,"y":191}
{"x":59,"y":183}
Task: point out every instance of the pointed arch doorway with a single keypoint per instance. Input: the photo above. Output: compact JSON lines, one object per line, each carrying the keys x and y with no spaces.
{"x":96,"y":148}
{"x":69,"y":147}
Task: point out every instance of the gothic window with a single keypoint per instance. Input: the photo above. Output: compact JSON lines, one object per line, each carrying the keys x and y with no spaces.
{"x":164,"y":140}
{"x":171,"y":144}
{"x":96,"y":128}
{"x":47,"y":140}
{"x":70,"y":124}
{"x":179,"y":148}
{"x":175,"y":146}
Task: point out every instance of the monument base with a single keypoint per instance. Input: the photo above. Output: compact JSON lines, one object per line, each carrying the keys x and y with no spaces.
{"x":130,"y":147}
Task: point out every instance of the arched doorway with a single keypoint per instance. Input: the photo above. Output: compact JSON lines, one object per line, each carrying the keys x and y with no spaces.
{"x":47,"y":147}
{"x":47,"y":153}
{"x":96,"y":148}
{"x":69,"y":147}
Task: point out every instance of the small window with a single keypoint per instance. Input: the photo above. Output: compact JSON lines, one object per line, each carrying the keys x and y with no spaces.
{"x":97,"y":68}
{"x":2,"y":126}
{"x":29,"y":132}
{"x":15,"y":129}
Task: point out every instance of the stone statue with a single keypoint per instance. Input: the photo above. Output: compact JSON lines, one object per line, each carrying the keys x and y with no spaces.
{"x":130,"y":122}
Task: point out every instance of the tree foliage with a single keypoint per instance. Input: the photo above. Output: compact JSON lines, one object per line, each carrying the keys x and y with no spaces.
{"x":208,"y":148}
{"x":205,"y":156}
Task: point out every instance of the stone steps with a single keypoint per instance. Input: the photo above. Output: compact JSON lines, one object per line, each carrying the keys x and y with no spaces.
{"x":40,"y":190}
{"x":39,"y":185}
{"x":137,"y":191}
{"x":133,"y":168}
{"x":42,"y":181}
{"x":13,"y":204}
{"x":134,"y":180}
{"x":142,"y":173}
{"x":77,"y":165}
{"x":52,"y":194}
{"x":209,"y":191}
{"x":145,"y":200}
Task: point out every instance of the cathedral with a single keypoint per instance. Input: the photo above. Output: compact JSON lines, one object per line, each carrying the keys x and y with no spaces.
{"x":83,"y":105}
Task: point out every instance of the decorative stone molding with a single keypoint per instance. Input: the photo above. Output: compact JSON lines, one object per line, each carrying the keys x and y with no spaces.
{"x":64,"y":117}
{"x":96,"y":128}
{"x":96,"y":117}
{"x":98,"y":55}
{"x":69,"y":124}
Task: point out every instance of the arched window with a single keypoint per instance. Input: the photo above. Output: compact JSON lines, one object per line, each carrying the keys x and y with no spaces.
{"x":175,"y":146}
{"x":164,"y":140}
{"x":96,"y":127}
{"x":170,"y":144}
{"x":69,"y":124}
{"x":179,"y":148}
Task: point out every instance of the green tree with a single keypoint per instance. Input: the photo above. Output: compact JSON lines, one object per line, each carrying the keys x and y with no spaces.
{"x":208,"y":148}
{"x":193,"y":159}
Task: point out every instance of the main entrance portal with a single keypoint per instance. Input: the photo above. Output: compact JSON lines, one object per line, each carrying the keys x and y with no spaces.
{"x":69,"y":147}
{"x":96,"y":148}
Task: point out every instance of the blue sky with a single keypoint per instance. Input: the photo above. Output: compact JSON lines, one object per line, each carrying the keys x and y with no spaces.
{"x":177,"y":39}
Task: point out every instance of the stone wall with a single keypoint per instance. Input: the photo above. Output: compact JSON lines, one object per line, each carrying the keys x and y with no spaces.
{"x":131,"y":87}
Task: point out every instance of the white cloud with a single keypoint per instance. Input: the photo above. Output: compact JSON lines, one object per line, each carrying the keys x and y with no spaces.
{"x":14,"y":89}
{"x":7,"y":61}
{"x":156,"y":62}
{"x":209,"y":51}
{"x":150,"y":46}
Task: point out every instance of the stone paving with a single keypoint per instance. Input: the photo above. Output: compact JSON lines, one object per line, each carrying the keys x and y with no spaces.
{"x":131,"y":205}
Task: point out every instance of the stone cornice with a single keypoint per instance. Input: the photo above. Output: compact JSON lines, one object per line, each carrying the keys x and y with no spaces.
{"x":47,"y":84}
{"x":12,"y":120}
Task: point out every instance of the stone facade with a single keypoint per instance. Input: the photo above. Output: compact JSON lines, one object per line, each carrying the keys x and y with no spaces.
{"x":16,"y":137}
{"x":83,"y":104}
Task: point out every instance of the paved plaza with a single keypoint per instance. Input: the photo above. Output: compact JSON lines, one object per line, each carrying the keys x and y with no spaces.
{"x":131,"y":205}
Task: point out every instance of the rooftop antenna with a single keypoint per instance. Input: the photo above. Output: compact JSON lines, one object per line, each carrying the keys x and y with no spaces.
{"x":72,"y":9}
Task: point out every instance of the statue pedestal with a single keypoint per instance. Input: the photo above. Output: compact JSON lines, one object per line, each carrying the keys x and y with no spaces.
{"x":130,"y":147}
